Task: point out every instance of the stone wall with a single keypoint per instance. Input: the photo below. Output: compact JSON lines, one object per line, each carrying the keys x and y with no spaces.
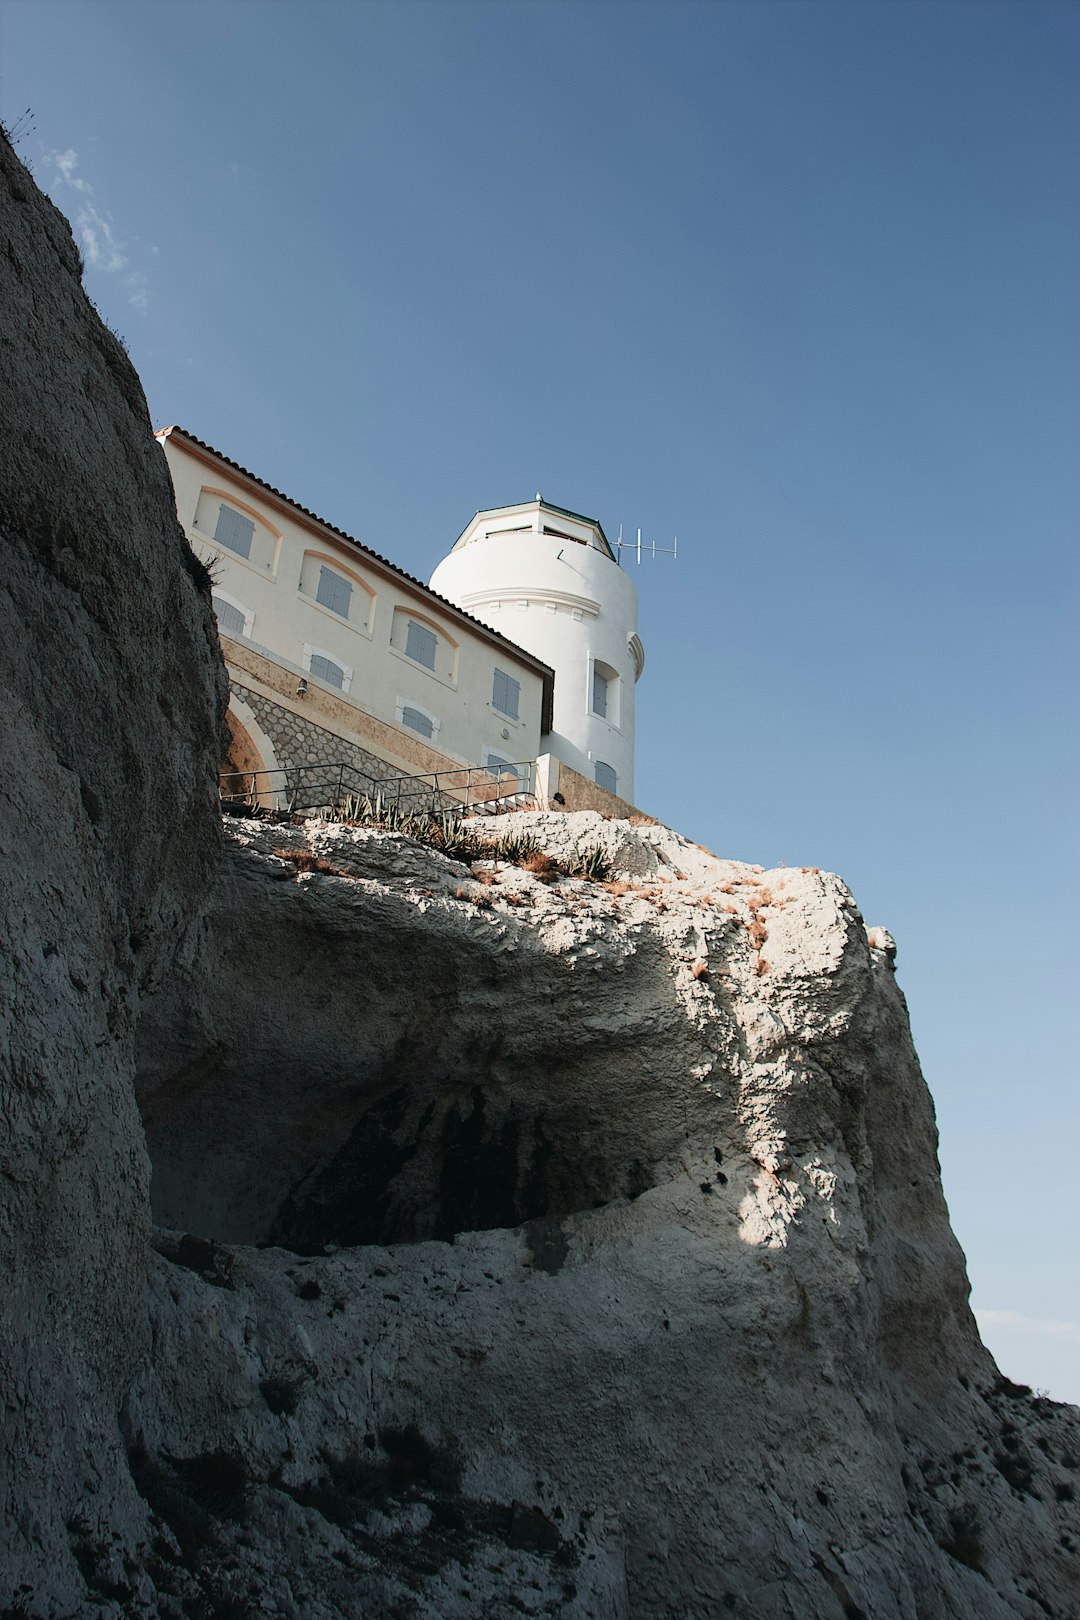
{"x":579,"y":793}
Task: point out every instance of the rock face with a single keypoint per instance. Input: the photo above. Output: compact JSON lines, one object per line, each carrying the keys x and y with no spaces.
{"x":525,"y":1244}
{"x":608,"y":1272}
{"x":112,"y":697}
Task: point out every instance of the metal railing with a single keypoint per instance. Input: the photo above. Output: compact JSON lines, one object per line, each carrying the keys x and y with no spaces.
{"x":470,"y":790}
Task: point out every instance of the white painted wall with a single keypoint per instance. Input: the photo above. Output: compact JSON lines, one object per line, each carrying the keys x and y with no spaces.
{"x":563,"y":597}
{"x":275,"y":589}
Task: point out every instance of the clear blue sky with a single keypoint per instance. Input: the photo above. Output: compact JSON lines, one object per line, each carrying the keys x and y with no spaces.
{"x":797,"y":281}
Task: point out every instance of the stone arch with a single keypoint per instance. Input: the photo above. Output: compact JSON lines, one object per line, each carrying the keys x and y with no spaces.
{"x":250,"y":754}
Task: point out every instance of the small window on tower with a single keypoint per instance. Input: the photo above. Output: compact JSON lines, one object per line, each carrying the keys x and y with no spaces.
{"x":599,"y":693}
{"x":606,"y":777}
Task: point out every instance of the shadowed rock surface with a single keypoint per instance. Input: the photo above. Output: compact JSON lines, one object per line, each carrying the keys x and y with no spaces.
{"x":523,"y":1247}
{"x":112,"y":695}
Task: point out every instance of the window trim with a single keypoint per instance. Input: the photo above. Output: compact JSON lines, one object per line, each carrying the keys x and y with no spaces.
{"x":600,"y":668}
{"x":267,"y":570}
{"x":403,"y":703}
{"x":311,"y":652}
{"x":234,"y":602}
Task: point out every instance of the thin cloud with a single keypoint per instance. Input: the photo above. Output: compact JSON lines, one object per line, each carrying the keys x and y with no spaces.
{"x":102,"y":248}
{"x":66,"y":162}
{"x":1031,"y":1324}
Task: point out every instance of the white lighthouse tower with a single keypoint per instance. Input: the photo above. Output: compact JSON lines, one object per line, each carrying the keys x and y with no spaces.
{"x":549,"y":580}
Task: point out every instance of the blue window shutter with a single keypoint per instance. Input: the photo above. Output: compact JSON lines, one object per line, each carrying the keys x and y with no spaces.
{"x":599,"y":694}
{"x":231,"y":619}
{"x":234,"y":530}
{"x":334,"y":592}
{"x":506,"y":694}
{"x":421,"y":644}
{"x":417,"y":720}
{"x":327,"y":670}
{"x":606,"y":777}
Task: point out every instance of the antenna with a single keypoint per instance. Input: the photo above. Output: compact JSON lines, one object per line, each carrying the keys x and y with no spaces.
{"x":647,"y":548}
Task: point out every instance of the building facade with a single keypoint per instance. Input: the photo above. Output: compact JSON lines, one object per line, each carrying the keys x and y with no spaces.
{"x":516,"y":665}
{"x":333,"y":651}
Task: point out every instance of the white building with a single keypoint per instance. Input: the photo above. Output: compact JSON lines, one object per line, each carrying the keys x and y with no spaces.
{"x":331,"y":648}
{"x":550,"y":581}
{"x":522,"y":652}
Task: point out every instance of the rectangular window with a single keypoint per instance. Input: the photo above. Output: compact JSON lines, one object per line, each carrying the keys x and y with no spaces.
{"x":599,"y":694}
{"x":506,"y":694}
{"x":327,"y":670}
{"x":605,"y":777}
{"x":230,"y":618}
{"x":234,"y":530}
{"x":334,"y":592}
{"x":417,"y":720}
{"x":420,"y":644}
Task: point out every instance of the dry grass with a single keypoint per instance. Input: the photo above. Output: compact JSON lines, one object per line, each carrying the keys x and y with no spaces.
{"x":541,"y":866}
{"x":700,"y":970}
{"x":761,"y":966}
{"x":305,"y":861}
{"x":758,"y":933}
{"x":476,"y":897}
{"x":617,"y":886}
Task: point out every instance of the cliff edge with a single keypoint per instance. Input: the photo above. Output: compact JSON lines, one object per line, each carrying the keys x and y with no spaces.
{"x":539,"y":1244}
{"x":387,"y":1234}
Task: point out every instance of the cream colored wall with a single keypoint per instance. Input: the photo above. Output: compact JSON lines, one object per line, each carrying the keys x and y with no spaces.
{"x":276,"y":588}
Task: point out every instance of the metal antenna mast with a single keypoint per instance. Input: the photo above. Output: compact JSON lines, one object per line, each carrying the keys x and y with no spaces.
{"x":648,"y":548}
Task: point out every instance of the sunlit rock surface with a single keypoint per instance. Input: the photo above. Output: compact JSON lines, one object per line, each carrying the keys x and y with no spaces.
{"x":612,"y":1205}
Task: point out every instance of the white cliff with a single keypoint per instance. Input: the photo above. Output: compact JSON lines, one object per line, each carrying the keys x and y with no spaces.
{"x":621,"y":1200}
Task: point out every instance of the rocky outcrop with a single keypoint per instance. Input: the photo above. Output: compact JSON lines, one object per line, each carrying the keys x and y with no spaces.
{"x":550,"y":1246}
{"x":112,"y":698}
{"x":524,"y":1245}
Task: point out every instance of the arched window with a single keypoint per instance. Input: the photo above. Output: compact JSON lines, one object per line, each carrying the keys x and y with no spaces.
{"x":232,"y":616}
{"x":238,"y":528}
{"x":333,"y":586}
{"x":424,"y":642}
{"x":414,"y":718}
{"x":327,"y":666}
{"x":606,"y":777}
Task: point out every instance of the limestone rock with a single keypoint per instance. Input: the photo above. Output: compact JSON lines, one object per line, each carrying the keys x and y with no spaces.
{"x":525,"y":1244}
{"x":612,"y":1211}
{"x":112,"y":693}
